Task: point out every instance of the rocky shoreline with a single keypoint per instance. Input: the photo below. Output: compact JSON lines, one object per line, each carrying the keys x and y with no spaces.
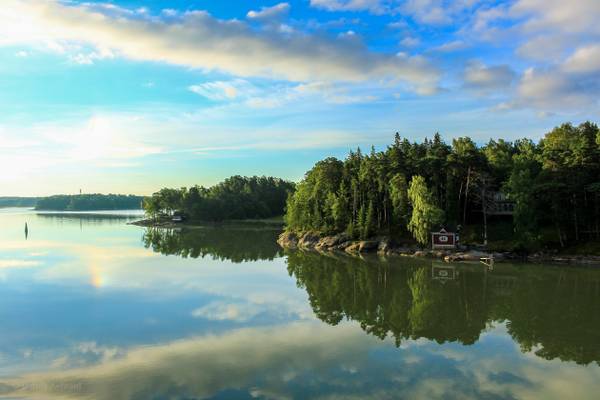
{"x":150,"y":223}
{"x":384,"y":246}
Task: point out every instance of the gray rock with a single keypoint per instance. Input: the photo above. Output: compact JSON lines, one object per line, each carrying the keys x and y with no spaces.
{"x":422,"y":253}
{"x":309,"y":240}
{"x":288,"y":240}
{"x":353,"y":248}
{"x":368,"y":245}
{"x":330,"y":242}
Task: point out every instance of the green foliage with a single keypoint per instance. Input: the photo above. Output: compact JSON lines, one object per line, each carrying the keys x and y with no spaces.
{"x":89,"y":202}
{"x":399,"y":198}
{"x":553,"y":185}
{"x":425,"y":215}
{"x":235,"y":198}
{"x":18,"y":201}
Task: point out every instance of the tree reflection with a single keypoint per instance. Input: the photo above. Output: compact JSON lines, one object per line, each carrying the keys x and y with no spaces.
{"x":237,"y":244}
{"x":554,"y":312}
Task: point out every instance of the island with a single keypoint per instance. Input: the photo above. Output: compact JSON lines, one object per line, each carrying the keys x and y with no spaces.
{"x":236,"y":198}
{"x":89,"y":202}
{"x":521,"y":198}
{"x":7,"y":202}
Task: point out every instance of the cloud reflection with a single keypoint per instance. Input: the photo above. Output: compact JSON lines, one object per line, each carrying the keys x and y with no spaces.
{"x":301,"y":360}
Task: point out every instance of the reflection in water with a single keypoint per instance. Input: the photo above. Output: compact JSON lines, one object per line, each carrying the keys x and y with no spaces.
{"x":258,"y":360}
{"x":554,"y":311}
{"x":306,"y":360}
{"x":97,"y":218}
{"x":237,"y":243}
{"x":88,"y":313}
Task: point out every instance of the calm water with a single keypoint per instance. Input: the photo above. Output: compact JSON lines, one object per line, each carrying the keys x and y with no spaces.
{"x":93,"y":308}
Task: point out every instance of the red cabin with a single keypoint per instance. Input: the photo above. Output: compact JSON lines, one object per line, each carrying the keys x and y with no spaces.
{"x":443,"y":240}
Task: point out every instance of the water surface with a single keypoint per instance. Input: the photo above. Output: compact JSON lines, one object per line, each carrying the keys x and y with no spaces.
{"x":93,"y":308}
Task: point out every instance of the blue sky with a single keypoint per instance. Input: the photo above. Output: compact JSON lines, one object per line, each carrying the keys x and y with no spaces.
{"x":130,"y":96}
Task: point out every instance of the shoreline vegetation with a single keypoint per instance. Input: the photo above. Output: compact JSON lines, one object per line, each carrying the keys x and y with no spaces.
{"x":526,"y":200}
{"x":10,"y":202}
{"x":78,"y":202}
{"x":236,"y":198}
{"x":89,"y":202}
{"x":387,"y":247}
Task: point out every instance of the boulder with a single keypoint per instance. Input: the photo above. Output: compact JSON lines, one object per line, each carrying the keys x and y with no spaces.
{"x":353,"y":248}
{"x":309,"y":240}
{"x":421,"y":253}
{"x":472,"y":255}
{"x":384,"y":246}
{"x":343,"y":245}
{"x":368,"y":245}
{"x":288,"y":240}
{"x":330,"y":242}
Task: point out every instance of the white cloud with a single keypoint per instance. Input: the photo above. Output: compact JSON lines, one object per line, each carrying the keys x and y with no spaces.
{"x":373,"y":6}
{"x":427,"y":11}
{"x":333,"y":94}
{"x":480,"y":77}
{"x":170,"y":12}
{"x":572,"y":84}
{"x":562,"y":38}
{"x":454,"y":45}
{"x":545,"y":29}
{"x":410,"y":41}
{"x":198,"y":40}
{"x":573,"y":16}
{"x":557,"y":89}
{"x":543,"y":48}
{"x":430,"y":12}
{"x":90,"y":57}
{"x":224,"y":90}
{"x":584,"y":60}
{"x":18,"y":264}
{"x":275,"y":12}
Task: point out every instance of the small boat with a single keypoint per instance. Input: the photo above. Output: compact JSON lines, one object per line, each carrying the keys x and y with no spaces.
{"x":488,"y":261}
{"x":178,"y":216}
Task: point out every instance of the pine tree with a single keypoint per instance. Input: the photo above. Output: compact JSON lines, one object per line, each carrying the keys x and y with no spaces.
{"x":369,"y":227}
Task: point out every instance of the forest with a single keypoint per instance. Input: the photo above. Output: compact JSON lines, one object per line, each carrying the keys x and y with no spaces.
{"x":18,"y":202}
{"x":89,"y":202}
{"x":235,"y":198}
{"x":522,"y":194}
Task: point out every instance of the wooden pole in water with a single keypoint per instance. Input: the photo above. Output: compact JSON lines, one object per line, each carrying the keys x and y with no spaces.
{"x":26,"y":230}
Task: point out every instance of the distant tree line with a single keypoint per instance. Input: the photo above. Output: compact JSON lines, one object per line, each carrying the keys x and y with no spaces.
{"x":552,"y":187}
{"x":18,"y":201}
{"x":89,"y":202}
{"x":237,"y":197}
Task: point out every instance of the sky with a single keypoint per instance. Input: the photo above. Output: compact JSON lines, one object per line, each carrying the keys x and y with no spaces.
{"x":128,"y":96}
